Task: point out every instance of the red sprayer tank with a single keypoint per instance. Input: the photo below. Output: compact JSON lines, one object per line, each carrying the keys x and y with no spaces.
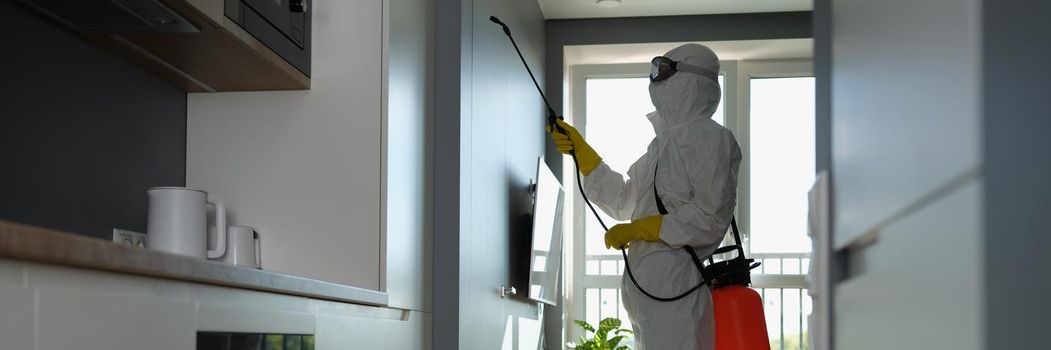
{"x":740,"y":323}
{"x":739,"y":320}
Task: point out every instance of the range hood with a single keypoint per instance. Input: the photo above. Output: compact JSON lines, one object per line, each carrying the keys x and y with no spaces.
{"x":192,"y":44}
{"x":113,"y":16}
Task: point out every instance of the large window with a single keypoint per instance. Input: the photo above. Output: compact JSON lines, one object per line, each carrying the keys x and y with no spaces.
{"x":777,"y":124}
{"x":781,"y":135}
{"x":769,"y":106}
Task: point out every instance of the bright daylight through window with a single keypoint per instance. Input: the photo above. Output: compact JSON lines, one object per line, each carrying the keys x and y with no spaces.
{"x":782,"y":163}
{"x":781,"y":157}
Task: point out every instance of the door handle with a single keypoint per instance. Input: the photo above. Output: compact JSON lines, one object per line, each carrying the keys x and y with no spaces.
{"x":507,"y":291}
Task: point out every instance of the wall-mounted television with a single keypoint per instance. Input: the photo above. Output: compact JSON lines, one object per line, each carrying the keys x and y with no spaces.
{"x":546,"y":253}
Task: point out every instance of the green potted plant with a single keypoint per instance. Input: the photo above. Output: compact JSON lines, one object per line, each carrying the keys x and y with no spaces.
{"x":601,"y":338}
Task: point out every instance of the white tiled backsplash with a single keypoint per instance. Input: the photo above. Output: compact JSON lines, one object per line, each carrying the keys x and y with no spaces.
{"x":46,"y":307}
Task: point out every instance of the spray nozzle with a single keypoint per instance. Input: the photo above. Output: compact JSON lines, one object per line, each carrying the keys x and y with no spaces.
{"x":497,"y":21}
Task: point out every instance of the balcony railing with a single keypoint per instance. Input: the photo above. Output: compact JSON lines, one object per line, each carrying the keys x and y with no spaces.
{"x":780,"y":280}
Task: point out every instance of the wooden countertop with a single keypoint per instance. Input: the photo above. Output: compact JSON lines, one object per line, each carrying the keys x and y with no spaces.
{"x":31,"y":243}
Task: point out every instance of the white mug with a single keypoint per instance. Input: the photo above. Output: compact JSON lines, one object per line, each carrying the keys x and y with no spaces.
{"x":178,"y":222}
{"x":243,"y":248}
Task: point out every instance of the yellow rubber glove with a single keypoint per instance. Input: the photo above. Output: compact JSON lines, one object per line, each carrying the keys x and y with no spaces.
{"x":587,"y":159}
{"x":647,"y":229}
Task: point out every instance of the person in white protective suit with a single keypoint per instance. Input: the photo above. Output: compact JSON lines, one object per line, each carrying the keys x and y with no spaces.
{"x":692,"y":165}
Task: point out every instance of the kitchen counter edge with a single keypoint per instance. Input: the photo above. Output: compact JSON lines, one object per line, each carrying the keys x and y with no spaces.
{"x":43,"y":245}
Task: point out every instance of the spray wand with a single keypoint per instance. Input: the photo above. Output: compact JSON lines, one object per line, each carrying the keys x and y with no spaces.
{"x":552,"y":117}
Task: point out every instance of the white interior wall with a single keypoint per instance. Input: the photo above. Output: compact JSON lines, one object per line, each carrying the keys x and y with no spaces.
{"x":304,"y":167}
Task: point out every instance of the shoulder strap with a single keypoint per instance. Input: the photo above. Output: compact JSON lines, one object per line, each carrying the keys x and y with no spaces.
{"x":664,"y":210}
{"x":693,"y":255}
{"x":660,"y":204}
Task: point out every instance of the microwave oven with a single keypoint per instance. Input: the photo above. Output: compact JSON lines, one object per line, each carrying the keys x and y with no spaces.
{"x":282,"y":25}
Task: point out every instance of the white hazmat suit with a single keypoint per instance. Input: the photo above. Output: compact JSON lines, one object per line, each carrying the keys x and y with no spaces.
{"x":697,"y":182}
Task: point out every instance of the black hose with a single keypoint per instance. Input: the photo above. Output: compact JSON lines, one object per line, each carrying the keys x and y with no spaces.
{"x":623,"y":251}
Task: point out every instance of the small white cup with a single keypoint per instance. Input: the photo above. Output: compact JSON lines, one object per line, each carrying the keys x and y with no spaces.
{"x":243,"y":247}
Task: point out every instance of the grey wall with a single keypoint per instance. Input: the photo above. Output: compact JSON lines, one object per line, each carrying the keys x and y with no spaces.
{"x":488,"y":135}
{"x":446,"y":136}
{"x":822,"y":24}
{"x":449,"y":40}
{"x":596,"y":31}
{"x":83,"y":133}
{"x":1016,"y":130}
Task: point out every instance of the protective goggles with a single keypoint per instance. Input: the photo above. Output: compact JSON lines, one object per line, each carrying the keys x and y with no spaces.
{"x":663,"y":68}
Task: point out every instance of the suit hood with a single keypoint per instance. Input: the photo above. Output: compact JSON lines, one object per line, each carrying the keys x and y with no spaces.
{"x":685,"y":97}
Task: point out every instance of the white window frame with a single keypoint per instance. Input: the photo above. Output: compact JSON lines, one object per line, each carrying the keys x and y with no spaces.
{"x":745,"y":72}
{"x":737,"y":76}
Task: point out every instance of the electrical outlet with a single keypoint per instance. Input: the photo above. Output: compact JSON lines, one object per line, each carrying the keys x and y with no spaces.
{"x":129,"y":238}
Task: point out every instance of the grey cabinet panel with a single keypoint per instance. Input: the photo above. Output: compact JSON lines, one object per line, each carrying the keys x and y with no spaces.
{"x":905,"y":112}
{"x":485,"y":147}
{"x":408,"y":242}
{"x":920,"y":285}
{"x":485,"y":195}
{"x":504,"y":131}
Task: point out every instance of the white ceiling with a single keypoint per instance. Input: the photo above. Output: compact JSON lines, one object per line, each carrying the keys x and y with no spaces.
{"x":727,"y":50}
{"x":554,"y":9}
